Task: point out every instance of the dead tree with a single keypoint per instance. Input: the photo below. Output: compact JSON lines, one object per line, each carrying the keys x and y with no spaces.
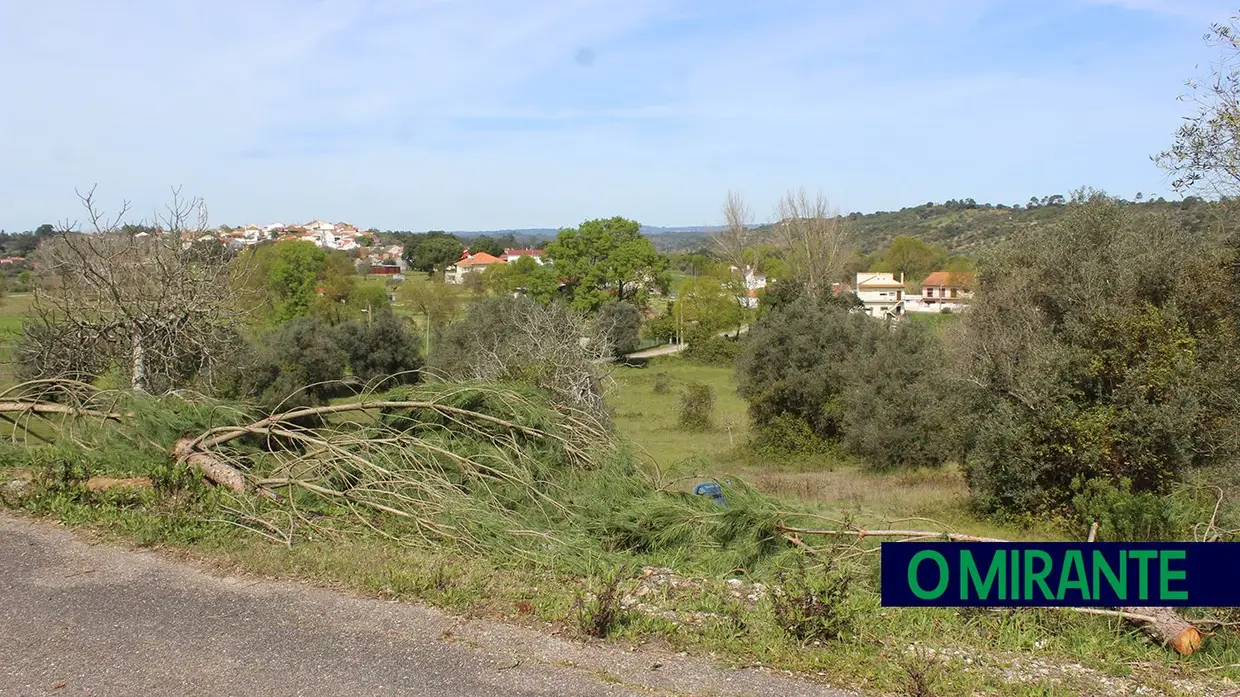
{"x":736,"y":242}
{"x":157,"y":303}
{"x":815,"y":240}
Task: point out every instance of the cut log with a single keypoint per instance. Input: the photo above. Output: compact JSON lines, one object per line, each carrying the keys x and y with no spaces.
{"x":1168,"y":627}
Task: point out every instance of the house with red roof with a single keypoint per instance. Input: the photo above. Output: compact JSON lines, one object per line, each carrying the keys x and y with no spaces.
{"x":470,"y":263}
{"x":511,"y":255}
{"x":942,"y":291}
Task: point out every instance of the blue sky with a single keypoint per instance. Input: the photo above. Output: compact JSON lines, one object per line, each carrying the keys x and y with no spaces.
{"x":462,"y":115}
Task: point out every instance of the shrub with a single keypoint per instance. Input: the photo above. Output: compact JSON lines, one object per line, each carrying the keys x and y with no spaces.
{"x":380,"y":348}
{"x":1084,"y":368}
{"x":709,"y":348}
{"x":697,"y":407}
{"x":621,"y":324}
{"x":662,"y":383}
{"x":811,"y":604}
{"x":786,"y":434}
{"x":295,"y":364}
{"x":795,"y":363}
{"x":897,"y":404}
{"x":1126,"y":516}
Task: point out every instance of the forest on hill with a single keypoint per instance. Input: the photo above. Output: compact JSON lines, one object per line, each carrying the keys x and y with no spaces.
{"x":965,"y":226}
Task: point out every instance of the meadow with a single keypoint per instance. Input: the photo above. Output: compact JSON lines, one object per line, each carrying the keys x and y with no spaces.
{"x":833,"y":484}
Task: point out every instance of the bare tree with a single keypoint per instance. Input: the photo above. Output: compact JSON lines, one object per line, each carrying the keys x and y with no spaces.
{"x":737,"y":237}
{"x":814,"y":238}
{"x":156,"y":302}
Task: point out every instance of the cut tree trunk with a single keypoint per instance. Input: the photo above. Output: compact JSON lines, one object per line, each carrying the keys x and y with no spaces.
{"x":1166,"y":625}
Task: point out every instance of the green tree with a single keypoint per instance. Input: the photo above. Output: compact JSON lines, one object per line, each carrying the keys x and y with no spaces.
{"x":897,"y":405}
{"x":488,"y":244}
{"x":381,"y":348}
{"x":434,"y":300}
{"x":291,"y":272}
{"x":524,"y":276}
{"x":621,"y":323}
{"x":912,"y":257}
{"x":292,"y":365}
{"x":795,"y":366}
{"x":1083,"y":368}
{"x":607,"y":259}
{"x":432,"y":252}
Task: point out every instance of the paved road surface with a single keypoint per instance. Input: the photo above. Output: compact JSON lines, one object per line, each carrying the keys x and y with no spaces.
{"x":83,"y":619}
{"x":668,"y":349}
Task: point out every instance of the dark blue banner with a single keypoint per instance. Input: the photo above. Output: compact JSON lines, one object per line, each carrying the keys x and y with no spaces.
{"x":1060,"y":574}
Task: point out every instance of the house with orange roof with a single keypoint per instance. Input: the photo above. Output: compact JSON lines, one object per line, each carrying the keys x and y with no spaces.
{"x":943,"y":291}
{"x":469,"y":263}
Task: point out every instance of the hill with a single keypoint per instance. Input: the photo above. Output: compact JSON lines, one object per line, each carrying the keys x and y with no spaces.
{"x":962,"y":227}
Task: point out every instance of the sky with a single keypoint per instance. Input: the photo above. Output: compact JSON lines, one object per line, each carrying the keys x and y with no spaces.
{"x":494,"y":114}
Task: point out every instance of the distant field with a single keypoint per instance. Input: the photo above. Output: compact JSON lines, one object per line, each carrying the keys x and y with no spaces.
{"x":833,"y":485}
{"x":12,"y":309}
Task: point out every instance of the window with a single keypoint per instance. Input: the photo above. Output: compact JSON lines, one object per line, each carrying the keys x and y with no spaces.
{"x":929,"y":292}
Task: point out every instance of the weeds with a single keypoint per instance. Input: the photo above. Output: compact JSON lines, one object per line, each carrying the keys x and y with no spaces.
{"x":921,"y":674}
{"x":811,"y":604}
{"x":599,"y":612}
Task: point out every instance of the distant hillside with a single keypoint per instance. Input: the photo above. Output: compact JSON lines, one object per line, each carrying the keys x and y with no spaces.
{"x":960,"y":226}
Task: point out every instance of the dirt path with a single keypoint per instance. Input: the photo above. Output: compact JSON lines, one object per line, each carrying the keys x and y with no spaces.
{"x":83,"y":619}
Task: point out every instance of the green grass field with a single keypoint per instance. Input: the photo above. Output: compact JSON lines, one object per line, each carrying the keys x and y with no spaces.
{"x":834,"y":485}
{"x":13,"y":309}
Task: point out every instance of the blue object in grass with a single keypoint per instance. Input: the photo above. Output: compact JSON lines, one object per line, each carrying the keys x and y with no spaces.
{"x":713,"y":490}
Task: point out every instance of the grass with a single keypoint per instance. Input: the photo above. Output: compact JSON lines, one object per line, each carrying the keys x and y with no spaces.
{"x":12,"y":309}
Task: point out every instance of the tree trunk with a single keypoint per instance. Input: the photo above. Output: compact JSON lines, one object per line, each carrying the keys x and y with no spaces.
{"x":1169,"y":627}
{"x":212,"y":467}
{"x":138,"y":372}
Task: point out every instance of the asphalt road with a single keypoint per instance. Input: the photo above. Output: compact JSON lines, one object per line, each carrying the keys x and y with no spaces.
{"x":83,"y":619}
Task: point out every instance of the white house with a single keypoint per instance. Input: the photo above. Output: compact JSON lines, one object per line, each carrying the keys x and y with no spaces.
{"x":754,"y":282}
{"x":511,"y":255}
{"x":881,"y":293}
{"x":468,"y":264}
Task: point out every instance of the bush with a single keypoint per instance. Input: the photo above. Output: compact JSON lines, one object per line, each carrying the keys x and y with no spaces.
{"x":697,"y":407}
{"x":1125,"y":516}
{"x":1085,"y":368}
{"x":897,"y":408}
{"x":381,"y":348}
{"x":811,"y":605}
{"x":662,"y":383}
{"x":299,"y":363}
{"x":708,"y":348}
{"x":787,"y":434}
{"x":795,"y":364}
{"x":621,"y":323}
